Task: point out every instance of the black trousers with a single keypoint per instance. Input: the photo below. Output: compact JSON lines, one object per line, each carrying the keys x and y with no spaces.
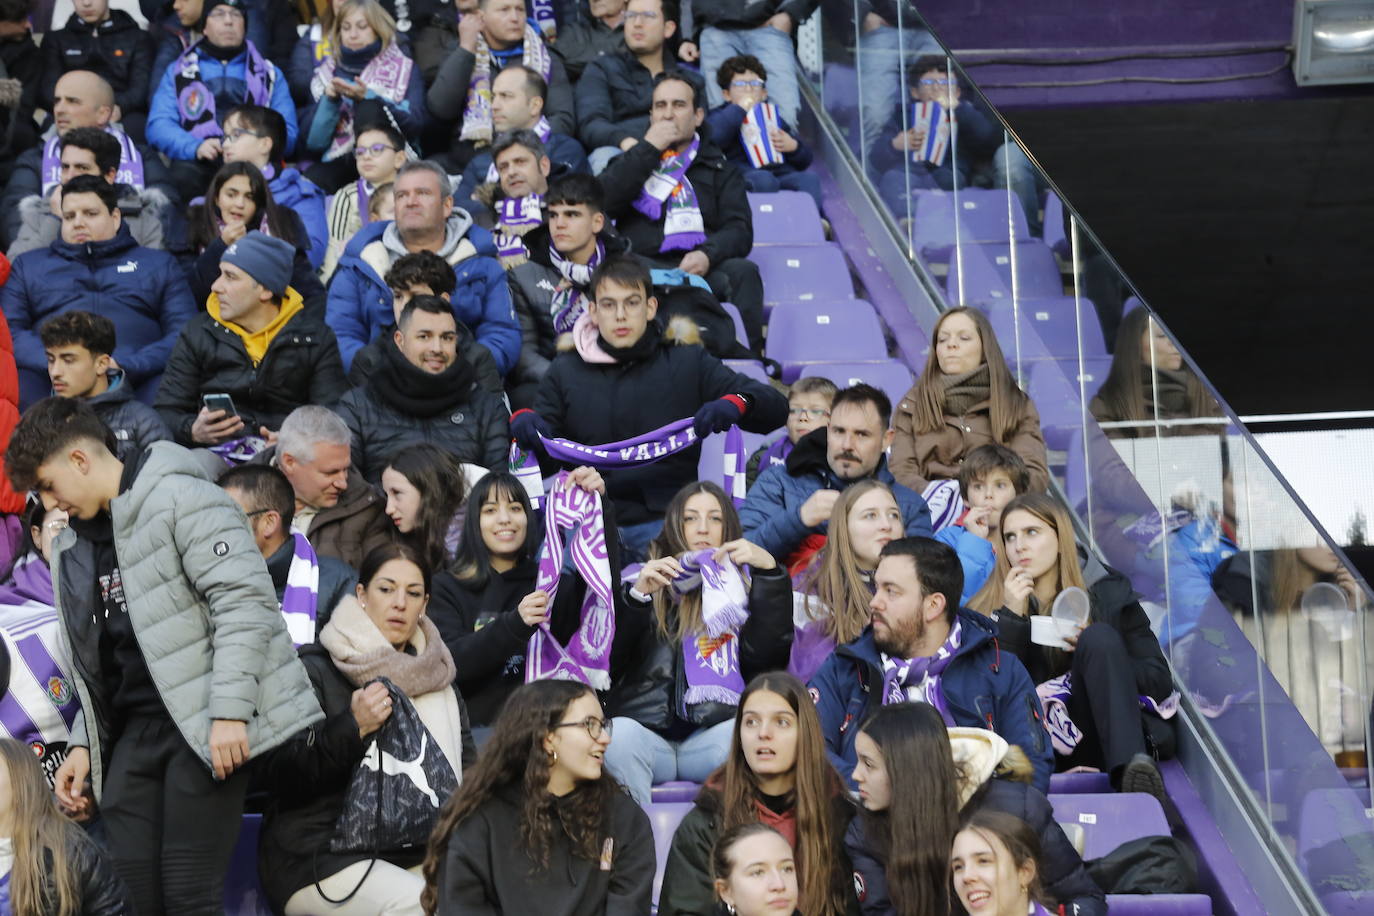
{"x":1104,"y":703}
{"x":170,"y":825}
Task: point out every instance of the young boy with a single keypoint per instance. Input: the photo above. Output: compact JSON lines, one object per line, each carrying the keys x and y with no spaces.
{"x":257,"y":135}
{"x":380,"y":151}
{"x":78,"y":346}
{"x":990,"y":477}
{"x":744,"y":80}
{"x":183,"y":663}
{"x":808,"y":408}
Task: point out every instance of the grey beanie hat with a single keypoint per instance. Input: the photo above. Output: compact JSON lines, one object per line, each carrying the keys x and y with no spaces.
{"x":263,"y":258}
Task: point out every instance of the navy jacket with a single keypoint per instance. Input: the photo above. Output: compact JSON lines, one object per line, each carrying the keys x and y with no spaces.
{"x":983,"y":686}
{"x":723,"y":124}
{"x":117,"y":49}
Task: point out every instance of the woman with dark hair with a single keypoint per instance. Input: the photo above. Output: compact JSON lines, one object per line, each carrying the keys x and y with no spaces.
{"x":755,"y":871}
{"x":915,"y":777}
{"x":995,"y":866}
{"x":1149,"y":381}
{"x":538,"y":825}
{"x":777,"y":773}
{"x":488,"y":610}
{"x":237,"y":202}
{"x":716,"y":611}
{"x":380,"y":631}
{"x":965,"y":397}
{"x":1094,"y":684}
{"x":48,"y":866}
{"x":425,"y":493}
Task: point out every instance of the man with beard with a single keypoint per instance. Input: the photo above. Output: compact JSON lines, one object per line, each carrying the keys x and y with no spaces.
{"x":923,"y":647}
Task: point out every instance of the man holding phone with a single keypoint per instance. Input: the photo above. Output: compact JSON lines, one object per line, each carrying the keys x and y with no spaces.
{"x":253,"y":357}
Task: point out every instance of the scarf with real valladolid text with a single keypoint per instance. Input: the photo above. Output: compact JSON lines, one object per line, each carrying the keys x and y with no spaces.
{"x":919,"y":678}
{"x":195,"y":101}
{"x":683,"y":228}
{"x":711,"y":659}
{"x":477,"y":113}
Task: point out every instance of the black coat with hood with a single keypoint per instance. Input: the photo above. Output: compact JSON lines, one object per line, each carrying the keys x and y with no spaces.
{"x":135,"y":425}
{"x":655,"y":383}
{"x":402,"y":405}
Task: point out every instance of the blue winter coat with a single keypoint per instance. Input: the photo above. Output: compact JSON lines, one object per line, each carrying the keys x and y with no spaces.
{"x":142,"y":290}
{"x":292,"y":190}
{"x":226,"y":80}
{"x":983,"y":686}
{"x":360,"y":304}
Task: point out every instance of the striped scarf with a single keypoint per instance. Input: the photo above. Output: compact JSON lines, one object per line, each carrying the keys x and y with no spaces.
{"x":477,"y":113}
{"x":300,"y":600}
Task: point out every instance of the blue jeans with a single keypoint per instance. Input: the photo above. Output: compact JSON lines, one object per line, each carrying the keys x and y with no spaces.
{"x":1013,"y":170}
{"x":641,"y":758}
{"x":601,"y":157}
{"x":884,"y":55}
{"x":784,"y":178}
{"x":774,"y":51}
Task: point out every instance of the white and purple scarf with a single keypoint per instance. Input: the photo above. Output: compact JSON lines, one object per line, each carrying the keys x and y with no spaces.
{"x":919,"y":678}
{"x":542,"y":129}
{"x":945,"y":503}
{"x":683,"y":229}
{"x":542,"y":12}
{"x":1064,"y":733}
{"x":734,"y":471}
{"x":711,"y":659}
{"x":300,"y":599}
{"x":570,"y":299}
{"x":40,"y":703}
{"x":477,"y":113}
{"x":240,"y":450}
{"x":195,"y":101}
{"x":755,"y":135}
{"x":587,"y":657}
{"x":516,"y":216}
{"x":130,"y":170}
{"x":525,"y":466}
{"x":386,"y":76}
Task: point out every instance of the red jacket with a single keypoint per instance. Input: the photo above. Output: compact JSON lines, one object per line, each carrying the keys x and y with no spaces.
{"x":10,"y":501}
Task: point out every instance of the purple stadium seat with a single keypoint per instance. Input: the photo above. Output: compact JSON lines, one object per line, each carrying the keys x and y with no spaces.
{"x":1055,"y":320}
{"x":823,"y":332}
{"x":1159,"y":905}
{"x":802,"y":273}
{"x":711,"y":467}
{"x":1079,"y":783}
{"x":893,"y":378}
{"x":243,"y":895}
{"x":986,"y":272}
{"x":749,"y":367}
{"x":676,"y":791}
{"x":1109,"y":819}
{"x":740,"y":335}
{"x":971,"y":215}
{"x":786,"y":218}
{"x":1053,"y":386}
{"x":1331,"y":827}
{"x":663,"y":819}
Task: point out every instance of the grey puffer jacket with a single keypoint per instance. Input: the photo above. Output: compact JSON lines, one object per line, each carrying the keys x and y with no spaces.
{"x":202,"y":606}
{"x":147,"y":212}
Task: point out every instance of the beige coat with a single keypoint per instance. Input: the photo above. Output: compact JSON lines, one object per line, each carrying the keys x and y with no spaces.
{"x":916,"y":460}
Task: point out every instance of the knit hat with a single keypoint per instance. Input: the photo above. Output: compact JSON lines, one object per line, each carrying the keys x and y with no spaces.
{"x":239,"y":5}
{"x":263,"y":258}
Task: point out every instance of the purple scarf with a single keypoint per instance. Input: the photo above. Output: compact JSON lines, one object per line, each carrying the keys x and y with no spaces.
{"x":711,"y":659}
{"x":569,"y":300}
{"x":776,"y":453}
{"x":477,"y":112}
{"x":683,"y":229}
{"x":587,"y":657}
{"x":734,"y":478}
{"x":386,"y":76}
{"x":300,"y":599}
{"x":1064,"y":733}
{"x":525,"y":466}
{"x":919,"y":678}
{"x":195,"y":101}
{"x":514,"y":217}
{"x":130,"y":170}
{"x":29,"y":588}
{"x":628,"y":453}
{"x":542,"y":12}
{"x":40,"y":703}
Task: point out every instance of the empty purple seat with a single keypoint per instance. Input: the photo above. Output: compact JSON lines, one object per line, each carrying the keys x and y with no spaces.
{"x":802,"y":273}
{"x":1111,"y":818}
{"x":1053,"y":386}
{"x":970,"y":215}
{"x":824,"y":332}
{"x":1159,"y":905}
{"x":675,"y":791}
{"x":892,"y":377}
{"x":663,"y":819}
{"x":1058,"y":321}
{"x":749,"y":367}
{"x":985,"y":271}
{"x":243,"y":895}
{"x":740,"y":335}
{"x":786,"y":218}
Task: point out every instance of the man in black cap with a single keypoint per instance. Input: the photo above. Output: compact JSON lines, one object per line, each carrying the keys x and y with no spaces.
{"x":255,"y":344}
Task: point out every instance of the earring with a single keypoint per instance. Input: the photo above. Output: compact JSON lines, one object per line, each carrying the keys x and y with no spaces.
{"x":731,"y":908}
{"x":553,"y":757}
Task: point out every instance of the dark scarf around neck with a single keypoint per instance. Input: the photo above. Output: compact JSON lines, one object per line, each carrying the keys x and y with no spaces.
{"x":417,"y":393}
{"x":225,"y":54}
{"x":1172,"y":387}
{"x":966,"y":390}
{"x":641,"y":349}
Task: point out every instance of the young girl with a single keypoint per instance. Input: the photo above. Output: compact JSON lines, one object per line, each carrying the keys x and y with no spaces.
{"x":995,"y":866}
{"x":778,"y":774}
{"x":689,"y":663}
{"x":914,"y":778}
{"x":48,"y":866}
{"x":965,"y":397}
{"x":1115,"y":660}
{"x":839,"y":583}
{"x":756,"y":871}
{"x":425,"y":494}
{"x":538,"y":826}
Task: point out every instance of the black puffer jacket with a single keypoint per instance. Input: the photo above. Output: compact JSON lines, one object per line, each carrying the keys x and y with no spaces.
{"x":301,"y":366}
{"x":595,"y":403}
{"x":586,"y":39}
{"x":403,"y":404}
{"x":748,"y":14}
{"x":99,"y":891}
{"x":117,"y":49}
{"x":720,"y":191}
{"x":613,"y":99}
{"x":650,"y":689}
{"x":135,"y":425}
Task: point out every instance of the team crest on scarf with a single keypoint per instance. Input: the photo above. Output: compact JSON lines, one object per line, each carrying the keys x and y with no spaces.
{"x":193,"y":100}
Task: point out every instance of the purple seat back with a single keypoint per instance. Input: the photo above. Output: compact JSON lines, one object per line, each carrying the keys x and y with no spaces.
{"x":1053,"y":386}
{"x":243,"y":894}
{"x":986,"y":272}
{"x":971,"y":215}
{"x":1159,"y":905}
{"x":1079,"y":783}
{"x":740,"y":335}
{"x":786,"y":218}
{"x":675,"y":791}
{"x":749,"y":367}
{"x":663,"y":819}
{"x":802,"y":273}
{"x":1110,"y":819}
{"x":892,"y":377}
{"x":824,"y":332}
{"x":1058,"y":321}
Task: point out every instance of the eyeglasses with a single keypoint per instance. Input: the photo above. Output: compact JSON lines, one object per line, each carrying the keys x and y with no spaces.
{"x":238,"y":133}
{"x":931,"y":82}
{"x":646,"y":15}
{"x":815,"y":413}
{"x":610,"y":308}
{"x":375,"y":149}
{"x":746,"y":84}
{"x":592,"y":724}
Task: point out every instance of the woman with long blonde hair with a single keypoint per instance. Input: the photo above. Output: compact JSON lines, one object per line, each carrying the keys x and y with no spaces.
{"x":48,"y":865}
{"x":1095,"y":684}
